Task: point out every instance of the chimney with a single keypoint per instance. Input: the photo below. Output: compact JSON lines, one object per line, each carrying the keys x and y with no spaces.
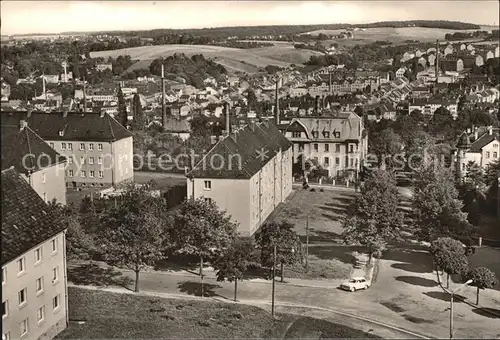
{"x":330,"y":82}
{"x":22,"y":124}
{"x":436,"y":65}
{"x":316,"y":106}
{"x":490,"y":130}
{"x":28,"y":113}
{"x":227,"y":115}
{"x":323,"y":105}
{"x":163,"y":108}
{"x":65,"y":113}
{"x":84,"y":96}
{"x":277,"y":104}
{"x":101,"y":115}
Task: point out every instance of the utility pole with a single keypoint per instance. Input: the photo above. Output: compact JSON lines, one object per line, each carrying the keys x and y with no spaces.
{"x":274,"y":281}
{"x":307,"y":243}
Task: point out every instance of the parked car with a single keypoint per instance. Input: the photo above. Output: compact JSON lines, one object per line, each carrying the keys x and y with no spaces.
{"x":355,"y":283}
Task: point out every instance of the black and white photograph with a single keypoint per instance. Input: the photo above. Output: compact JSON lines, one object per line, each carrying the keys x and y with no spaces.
{"x":250,"y":169}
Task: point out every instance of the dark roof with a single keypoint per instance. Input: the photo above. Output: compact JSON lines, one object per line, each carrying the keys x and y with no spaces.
{"x":26,"y":219}
{"x":75,"y":126}
{"x":18,"y":145}
{"x":245,"y":142}
{"x":463,"y":141}
{"x":483,"y":141}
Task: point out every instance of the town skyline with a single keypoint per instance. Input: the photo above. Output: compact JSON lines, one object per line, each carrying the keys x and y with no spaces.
{"x":30,"y":17}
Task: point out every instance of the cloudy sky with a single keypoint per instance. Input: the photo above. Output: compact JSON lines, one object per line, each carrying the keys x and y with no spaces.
{"x":21,"y":17}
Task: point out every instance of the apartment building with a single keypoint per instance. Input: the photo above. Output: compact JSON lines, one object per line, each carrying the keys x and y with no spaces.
{"x":480,"y":145}
{"x":34,"y":286}
{"x":98,"y":149}
{"x":247,"y":173}
{"x":429,"y":106}
{"x":40,"y":165}
{"x":336,"y":141}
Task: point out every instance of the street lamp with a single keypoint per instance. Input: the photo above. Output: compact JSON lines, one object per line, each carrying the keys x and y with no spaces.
{"x":452,"y":294}
{"x":274,"y":279}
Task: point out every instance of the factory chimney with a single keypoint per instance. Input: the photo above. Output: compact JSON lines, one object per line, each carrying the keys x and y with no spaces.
{"x":277,"y":103}
{"x":163,"y":108}
{"x":84,"y":96}
{"x":228,"y":120}
{"x":330,"y":82}
{"x":436,"y":65}
{"x":316,"y":106}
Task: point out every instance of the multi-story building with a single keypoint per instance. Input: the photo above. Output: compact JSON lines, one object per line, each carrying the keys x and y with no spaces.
{"x":429,"y":106}
{"x":247,"y":173}
{"x":34,"y":287}
{"x":98,"y":149}
{"x":336,"y":141}
{"x":480,"y":145}
{"x":41,"y":166}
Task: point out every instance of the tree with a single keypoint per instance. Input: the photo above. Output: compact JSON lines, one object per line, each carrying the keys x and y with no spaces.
{"x":234,"y":262}
{"x":134,"y":234}
{"x":373,"y":218}
{"x":122,"y":116}
{"x":481,"y":278}
{"x":201,"y":229}
{"x":386,"y":145}
{"x":138,"y":122}
{"x":449,"y":256}
{"x":437,"y":211}
{"x":419,"y":145}
{"x":251,"y":98}
{"x":200,"y":126}
{"x":282,"y":236}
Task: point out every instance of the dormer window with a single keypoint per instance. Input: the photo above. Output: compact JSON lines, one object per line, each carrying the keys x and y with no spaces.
{"x":326,"y":134}
{"x":315,"y":134}
{"x":61,"y":133}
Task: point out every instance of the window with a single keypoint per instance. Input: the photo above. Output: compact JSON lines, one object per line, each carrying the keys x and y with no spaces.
{"x":39,"y":285}
{"x":487,"y":154}
{"x":40,"y":314}
{"x":22,"y":296}
{"x":70,"y":146}
{"x":24,"y":327}
{"x":337,"y":147}
{"x":44,"y":179}
{"x":91,"y":160}
{"x":91,"y":147}
{"x":91,"y":173}
{"x":82,"y":146}
{"x":70,"y":160}
{"x":99,"y":147}
{"x":99,"y":160}
{"x":327,"y":161}
{"x":208,"y":200}
{"x":101,"y":174}
{"x":63,"y":146}
{"x":5,"y":309}
{"x":351,"y":148}
{"x":21,"y":265}
{"x":55,"y":302}
{"x":315,"y":147}
{"x":38,"y":254}
{"x":296,"y":134}
{"x":326,"y":134}
{"x":315,"y":134}
{"x":82,"y":173}
{"x":327,"y":147}
{"x":70,"y":173}
{"x":51,"y":145}
{"x":54,"y":245}
{"x":337,"y":161}
{"x":495,"y":154}
{"x":82,"y":160}
{"x":208,"y":185}
{"x":351,"y":162}
{"x":55,"y":274}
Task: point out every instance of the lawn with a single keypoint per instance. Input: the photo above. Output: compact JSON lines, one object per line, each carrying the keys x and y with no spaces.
{"x":98,"y":315}
{"x":244,"y":60}
{"x":163,"y":181}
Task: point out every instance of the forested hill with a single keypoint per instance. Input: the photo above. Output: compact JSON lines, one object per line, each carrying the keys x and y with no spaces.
{"x":223,"y":32}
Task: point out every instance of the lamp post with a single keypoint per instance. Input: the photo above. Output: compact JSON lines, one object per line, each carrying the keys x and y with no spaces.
{"x":274,"y":279}
{"x":452,"y":295}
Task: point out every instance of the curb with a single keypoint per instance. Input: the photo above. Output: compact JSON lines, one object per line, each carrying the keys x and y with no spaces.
{"x":254,"y":303}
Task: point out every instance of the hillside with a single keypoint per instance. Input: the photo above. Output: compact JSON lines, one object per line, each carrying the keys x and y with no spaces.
{"x":233,"y":59}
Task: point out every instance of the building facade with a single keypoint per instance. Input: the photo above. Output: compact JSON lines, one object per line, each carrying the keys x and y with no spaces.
{"x":247,"y":173}
{"x":34,"y":286}
{"x":98,"y":149}
{"x":336,"y":142}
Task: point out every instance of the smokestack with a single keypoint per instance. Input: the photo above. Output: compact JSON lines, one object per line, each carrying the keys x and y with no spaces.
{"x":330,"y":82}
{"x":44,"y":89}
{"x":316,"y":106}
{"x":84,"y":96}
{"x":228,"y":120}
{"x":163,"y":108}
{"x":436,"y":65}
{"x":323,"y":106}
{"x":277,"y":104}
{"x":22,"y":124}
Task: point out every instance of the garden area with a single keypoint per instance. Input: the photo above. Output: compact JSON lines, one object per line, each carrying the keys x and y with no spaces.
{"x":98,"y":315}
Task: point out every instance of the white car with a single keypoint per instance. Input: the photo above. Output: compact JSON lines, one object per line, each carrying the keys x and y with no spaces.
{"x":355,"y":283}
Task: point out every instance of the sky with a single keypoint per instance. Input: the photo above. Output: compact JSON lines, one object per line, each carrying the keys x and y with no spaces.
{"x":23,"y":17}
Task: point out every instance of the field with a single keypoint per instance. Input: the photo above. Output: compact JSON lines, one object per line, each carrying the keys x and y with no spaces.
{"x":242,"y":60}
{"x":103,"y":315}
{"x":394,"y":35}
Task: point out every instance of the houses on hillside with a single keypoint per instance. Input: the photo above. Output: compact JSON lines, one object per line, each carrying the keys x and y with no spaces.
{"x":34,"y":284}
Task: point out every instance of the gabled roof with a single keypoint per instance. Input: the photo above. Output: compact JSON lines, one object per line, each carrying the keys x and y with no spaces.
{"x":482,"y":141}
{"x":244,"y":145}
{"x":74,"y":127}
{"x":26,"y":151}
{"x":27,"y":220}
{"x":347,"y":124}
